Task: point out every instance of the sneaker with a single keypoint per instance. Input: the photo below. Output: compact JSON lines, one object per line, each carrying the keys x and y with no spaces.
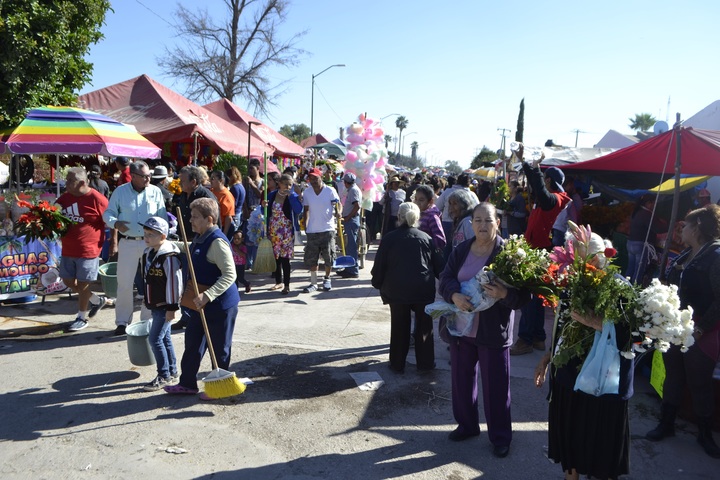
{"x":521,"y":347}
{"x":174,"y":377}
{"x":77,"y":325}
{"x":120,"y":330}
{"x":310,"y":289}
{"x":327,"y":285}
{"x":157,"y":383}
{"x":248,"y":288}
{"x":95,"y":307}
{"x":539,"y":345}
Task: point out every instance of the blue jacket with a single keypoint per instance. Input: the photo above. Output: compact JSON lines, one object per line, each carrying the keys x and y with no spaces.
{"x":207,"y":273}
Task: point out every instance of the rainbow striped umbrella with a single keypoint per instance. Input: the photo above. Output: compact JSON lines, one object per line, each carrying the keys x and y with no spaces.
{"x":69,"y":130}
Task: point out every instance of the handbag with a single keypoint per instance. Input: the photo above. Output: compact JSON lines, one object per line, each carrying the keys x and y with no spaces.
{"x":600,"y":373}
{"x":189,"y":294}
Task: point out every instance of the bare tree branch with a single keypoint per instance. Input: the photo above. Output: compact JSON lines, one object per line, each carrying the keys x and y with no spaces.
{"x":230,"y":59}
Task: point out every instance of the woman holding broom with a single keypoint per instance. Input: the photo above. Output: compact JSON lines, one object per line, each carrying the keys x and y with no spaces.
{"x":215,"y":271}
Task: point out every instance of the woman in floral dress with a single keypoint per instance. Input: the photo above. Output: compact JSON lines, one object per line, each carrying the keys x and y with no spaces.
{"x":285,"y":207}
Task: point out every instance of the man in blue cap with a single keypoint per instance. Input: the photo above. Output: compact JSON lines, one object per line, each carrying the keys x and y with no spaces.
{"x":550,"y":199}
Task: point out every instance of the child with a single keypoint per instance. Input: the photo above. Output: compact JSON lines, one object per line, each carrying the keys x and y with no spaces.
{"x":162,"y":272}
{"x":239,"y":252}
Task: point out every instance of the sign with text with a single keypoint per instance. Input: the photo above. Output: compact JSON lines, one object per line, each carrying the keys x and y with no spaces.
{"x":22,"y":264}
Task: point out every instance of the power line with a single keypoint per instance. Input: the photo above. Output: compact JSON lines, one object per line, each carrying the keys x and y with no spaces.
{"x":154,"y":13}
{"x":328,"y":103}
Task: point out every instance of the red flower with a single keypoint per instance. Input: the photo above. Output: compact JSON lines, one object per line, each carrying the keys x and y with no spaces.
{"x":610,"y":252}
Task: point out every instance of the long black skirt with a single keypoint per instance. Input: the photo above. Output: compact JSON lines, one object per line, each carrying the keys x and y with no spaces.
{"x":589,"y":434}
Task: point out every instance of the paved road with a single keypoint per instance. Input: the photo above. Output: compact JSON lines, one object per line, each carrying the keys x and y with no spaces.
{"x":72,"y":405}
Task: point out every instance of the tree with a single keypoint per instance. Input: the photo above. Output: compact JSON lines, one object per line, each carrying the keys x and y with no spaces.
{"x":387,"y":139}
{"x":453,"y":167}
{"x":642,"y":122}
{"x":296,"y":132}
{"x":42,"y":59}
{"x":484,"y":157}
{"x":413,"y":148}
{"x":231,"y":59}
{"x":520,"y":122}
{"x":401,"y":123}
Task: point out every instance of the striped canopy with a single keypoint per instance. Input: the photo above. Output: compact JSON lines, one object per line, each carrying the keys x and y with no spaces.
{"x":69,"y":130}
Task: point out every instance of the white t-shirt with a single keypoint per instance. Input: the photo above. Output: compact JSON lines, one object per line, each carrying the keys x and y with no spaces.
{"x":321,"y":209}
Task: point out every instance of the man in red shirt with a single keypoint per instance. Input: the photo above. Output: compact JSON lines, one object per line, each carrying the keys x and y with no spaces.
{"x":123,"y":166}
{"x":550,"y":200}
{"x":82,"y":243}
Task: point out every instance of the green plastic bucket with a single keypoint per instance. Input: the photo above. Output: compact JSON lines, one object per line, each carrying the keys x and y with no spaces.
{"x":138,"y":344}
{"x":108,"y":278}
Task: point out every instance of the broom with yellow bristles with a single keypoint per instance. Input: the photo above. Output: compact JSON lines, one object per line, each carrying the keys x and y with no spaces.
{"x":265,"y":257}
{"x":219,"y":383}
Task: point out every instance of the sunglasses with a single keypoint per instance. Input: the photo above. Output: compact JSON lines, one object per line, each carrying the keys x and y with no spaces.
{"x":146,"y":177}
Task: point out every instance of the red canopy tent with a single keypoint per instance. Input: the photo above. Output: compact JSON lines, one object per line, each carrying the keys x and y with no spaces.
{"x":164,"y":117}
{"x":282,"y":146}
{"x":314,"y":140}
{"x":633,"y":166}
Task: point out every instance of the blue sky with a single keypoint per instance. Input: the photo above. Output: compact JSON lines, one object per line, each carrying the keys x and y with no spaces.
{"x":458,"y":69}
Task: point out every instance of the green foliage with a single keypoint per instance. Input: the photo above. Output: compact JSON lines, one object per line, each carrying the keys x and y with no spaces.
{"x":520,"y":130}
{"x":453,"y":167}
{"x":483,"y":159}
{"x":297,"y":132}
{"x":500,"y":195}
{"x":228,"y":159}
{"x":42,"y":59}
{"x":642,"y":122}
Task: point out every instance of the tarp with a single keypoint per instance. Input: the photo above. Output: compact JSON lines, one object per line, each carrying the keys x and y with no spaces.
{"x":313,"y":140}
{"x":162,"y":115}
{"x":630,"y":166}
{"x":282,"y":146}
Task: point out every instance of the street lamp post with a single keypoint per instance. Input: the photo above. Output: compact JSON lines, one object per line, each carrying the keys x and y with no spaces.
{"x":386,"y":116}
{"x":250,"y":124}
{"x":402,"y":142}
{"x":312,"y":96}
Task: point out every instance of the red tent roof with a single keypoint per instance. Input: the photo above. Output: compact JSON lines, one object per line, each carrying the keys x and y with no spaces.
{"x":314,"y":140}
{"x":162,"y":115}
{"x":699,"y":154}
{"x":282,"y":145}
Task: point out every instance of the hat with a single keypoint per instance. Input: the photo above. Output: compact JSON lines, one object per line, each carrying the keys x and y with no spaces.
{"x":156,"y":223}
{"x":704,"y":193}
{"x":315,"y":171}
{"x":124,"y":161}
{"x":395,"y":178}
{"x":96,"y":169}
{"x":557,"y":176}
{"x":160,"y":172}
{"x":349,"y":177}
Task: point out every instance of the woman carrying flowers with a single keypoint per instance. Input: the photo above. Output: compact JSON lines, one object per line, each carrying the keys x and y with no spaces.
{"x":696,"y":272}
{"x":486,"y":347}
{"x":588,"y":434}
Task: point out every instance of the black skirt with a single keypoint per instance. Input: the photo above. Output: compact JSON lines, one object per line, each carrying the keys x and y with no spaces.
{"x":589,"y":434}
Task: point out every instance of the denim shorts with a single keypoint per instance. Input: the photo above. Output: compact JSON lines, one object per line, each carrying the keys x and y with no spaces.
{"x":81,"y":269}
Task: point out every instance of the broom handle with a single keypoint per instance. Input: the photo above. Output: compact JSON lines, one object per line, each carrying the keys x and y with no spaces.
{"x":197,"y":291}
{"x":265,"y":193}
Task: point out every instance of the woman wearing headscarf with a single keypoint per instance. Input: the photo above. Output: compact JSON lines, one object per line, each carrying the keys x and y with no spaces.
{"x":405,"y":268}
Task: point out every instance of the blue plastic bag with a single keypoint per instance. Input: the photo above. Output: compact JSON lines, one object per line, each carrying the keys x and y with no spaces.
{"x":600,"y":374}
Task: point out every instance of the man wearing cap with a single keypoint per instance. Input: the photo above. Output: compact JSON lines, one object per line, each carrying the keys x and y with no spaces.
{"x":320,"y":209}
{"x":97,"y":183}
{"x":160,"y":180}
{"x":394,"y":196}
{"x":351,"y":222}
{"x":82,"y":243}
{"x":123,"y":166}
{"x":550,"y":200}
{"x":130,"y":206}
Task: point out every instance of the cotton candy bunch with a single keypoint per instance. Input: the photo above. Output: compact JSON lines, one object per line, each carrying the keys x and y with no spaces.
{"x":665,"y":323}
{"x":366,"y":157}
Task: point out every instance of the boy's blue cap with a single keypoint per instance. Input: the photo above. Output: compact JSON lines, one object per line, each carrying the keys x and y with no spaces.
{"x":158,"y":224}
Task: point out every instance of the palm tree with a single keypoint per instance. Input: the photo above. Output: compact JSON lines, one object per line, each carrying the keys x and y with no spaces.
{"x":642,"y":122}
{"x":413,"y":147}
{"x":387,"y":139}
{"x":401,"y":123}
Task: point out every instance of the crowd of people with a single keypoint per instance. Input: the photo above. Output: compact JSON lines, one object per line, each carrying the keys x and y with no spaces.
{"x":434,"y":234}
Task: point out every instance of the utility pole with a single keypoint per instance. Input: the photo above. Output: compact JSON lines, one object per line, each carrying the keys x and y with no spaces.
{"x":502,"y":143}
{"x":577,"y":132}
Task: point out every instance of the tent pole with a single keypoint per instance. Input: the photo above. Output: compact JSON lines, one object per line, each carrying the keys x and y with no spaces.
{"x":57,"y":169}
{"x":676,"y":197}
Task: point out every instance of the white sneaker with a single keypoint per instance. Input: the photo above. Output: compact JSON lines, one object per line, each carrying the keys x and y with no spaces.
{"x":327,"y":286}
{"x":310,"y":289}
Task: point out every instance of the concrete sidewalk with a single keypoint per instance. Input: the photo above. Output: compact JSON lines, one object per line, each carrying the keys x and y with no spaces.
{"x":73,"y":407}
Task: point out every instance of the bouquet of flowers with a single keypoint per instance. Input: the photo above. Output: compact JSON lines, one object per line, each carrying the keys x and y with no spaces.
{"x":521,"y":266}
{"x":500,"y":195}
{"x":662,"y":323}
{"x":587,"y":289}
{"x":174,"y":187}
{"x":41,"y":222}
